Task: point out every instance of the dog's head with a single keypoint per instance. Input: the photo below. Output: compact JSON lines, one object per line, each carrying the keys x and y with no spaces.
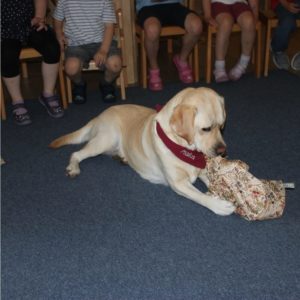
{"x":197,"y":116}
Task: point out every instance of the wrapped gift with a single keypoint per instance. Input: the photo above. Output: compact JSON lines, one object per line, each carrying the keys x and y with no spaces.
{"x":254,"y":199}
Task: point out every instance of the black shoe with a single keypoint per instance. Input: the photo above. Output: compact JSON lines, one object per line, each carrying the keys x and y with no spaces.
{"x":23,"y":118}
{"x":108,"y":91}
{"x":79,"y":93}
{"x":52,"y":106}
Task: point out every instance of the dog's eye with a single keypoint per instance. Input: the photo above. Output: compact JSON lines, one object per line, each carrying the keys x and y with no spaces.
{"x":206,"y":129}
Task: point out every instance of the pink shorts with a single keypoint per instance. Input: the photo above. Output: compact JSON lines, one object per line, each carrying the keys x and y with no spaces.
{"x":235,"y":9}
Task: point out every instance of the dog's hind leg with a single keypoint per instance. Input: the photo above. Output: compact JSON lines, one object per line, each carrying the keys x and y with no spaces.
{"x":93,"y":148}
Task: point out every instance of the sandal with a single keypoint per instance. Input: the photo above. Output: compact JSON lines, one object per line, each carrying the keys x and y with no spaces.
{"x":154,"y":80}
{"x":220,"y":76}
{"x":236,"y":72}
{"x":23,"y":118}
{"x":185,"y":72}
{"x":52,"y":106}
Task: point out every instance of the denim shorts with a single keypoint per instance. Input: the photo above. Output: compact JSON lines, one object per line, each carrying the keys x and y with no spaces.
{"x":86,"y":52}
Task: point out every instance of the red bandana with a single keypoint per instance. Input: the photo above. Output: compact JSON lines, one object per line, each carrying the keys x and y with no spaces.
{"x":192,"y":157}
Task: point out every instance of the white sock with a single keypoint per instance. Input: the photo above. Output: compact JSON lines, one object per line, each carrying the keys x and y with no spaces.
{"x":244,"y":61}
{"x":220,"y":65}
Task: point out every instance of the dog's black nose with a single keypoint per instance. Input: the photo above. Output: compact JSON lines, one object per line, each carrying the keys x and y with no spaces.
{"x":221,"y":150}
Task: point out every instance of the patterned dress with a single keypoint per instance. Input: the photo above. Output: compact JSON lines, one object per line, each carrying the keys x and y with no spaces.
{"x":16,"y":16}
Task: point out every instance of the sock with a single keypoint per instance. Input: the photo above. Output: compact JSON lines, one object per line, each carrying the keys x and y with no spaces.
{"x":240,"y":68}
{"x":244,"y":61}
{"x":220,"y":65}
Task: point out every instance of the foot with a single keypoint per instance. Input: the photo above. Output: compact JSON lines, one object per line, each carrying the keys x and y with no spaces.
{"x":220,"y":76}
{"x":154,"y":80}
{"x":108,"y":91}
{"x":79,"y":93}
{"x":295,"y":63}
{"x":236,"y":72}
{"x":281,"y":60}
{"x":185,"y":72}
{"x":20,"y":114}
{"x":52,"y":106}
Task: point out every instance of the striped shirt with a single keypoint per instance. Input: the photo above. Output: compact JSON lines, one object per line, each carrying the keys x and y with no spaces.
{"x":84,"y":21}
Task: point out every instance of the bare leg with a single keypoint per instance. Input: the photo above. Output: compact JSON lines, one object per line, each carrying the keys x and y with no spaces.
{"x":13,"y":85}
{"x":113,"y":68}
{"x":193,"y":27}
{"x":225,"y":23}
{"x":73,"y":67}
{"x":49,"y":73}
{"x":152,"y":30}
{"x":247,"y":24}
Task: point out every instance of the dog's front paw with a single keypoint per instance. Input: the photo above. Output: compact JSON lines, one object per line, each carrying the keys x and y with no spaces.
{"x":222,"y":207}
{"x":72,"y":170}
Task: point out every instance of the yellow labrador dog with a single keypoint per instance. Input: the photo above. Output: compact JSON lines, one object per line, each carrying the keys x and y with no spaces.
{"x":165,"y":147}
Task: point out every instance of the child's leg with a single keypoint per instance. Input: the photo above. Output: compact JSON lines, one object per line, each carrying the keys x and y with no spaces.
{"x":76,"y":58}
{"x":73,"y":67}
{"x":152,"y":28}
{"x":225,"y":22}
{"x":247,"y":24}
{"x":193,"y":27}
{"x":286,"y":25}
{"x":113,"y":67}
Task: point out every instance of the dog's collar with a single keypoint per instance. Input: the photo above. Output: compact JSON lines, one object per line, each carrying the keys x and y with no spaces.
{"x":192,"y":157}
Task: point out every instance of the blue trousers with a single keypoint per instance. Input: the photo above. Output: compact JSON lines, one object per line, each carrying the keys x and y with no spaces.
{"x":286,"y":25}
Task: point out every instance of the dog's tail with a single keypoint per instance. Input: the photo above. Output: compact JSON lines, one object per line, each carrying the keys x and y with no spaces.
{"x":77,"y":137}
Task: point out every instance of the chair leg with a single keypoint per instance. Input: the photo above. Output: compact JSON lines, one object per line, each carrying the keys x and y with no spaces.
{"x":62,"y":87}
{"x":267,"y":50}
{"x":196,"y":62}
{"x":2,"y":104}
{"x":208,"y":55}
{"x":258,"y":51}
{"x":143,"y":62}
{"x":69,"y":89}
{"x":122,"y":85}
{"x":170,"y":46}
{"x":24,"y":70}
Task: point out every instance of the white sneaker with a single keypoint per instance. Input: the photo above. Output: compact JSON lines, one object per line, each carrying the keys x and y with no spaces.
{"x":295,"y":63}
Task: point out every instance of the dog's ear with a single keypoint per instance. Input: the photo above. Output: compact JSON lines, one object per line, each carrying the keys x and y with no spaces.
{"x":182,"y":122}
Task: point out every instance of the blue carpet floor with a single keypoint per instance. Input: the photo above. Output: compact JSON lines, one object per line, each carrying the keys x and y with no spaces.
{"x":109,"y":234}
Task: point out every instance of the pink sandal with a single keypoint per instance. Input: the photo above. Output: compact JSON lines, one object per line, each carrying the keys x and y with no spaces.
{"x":185,"y":72}
{"x":154,"y":80}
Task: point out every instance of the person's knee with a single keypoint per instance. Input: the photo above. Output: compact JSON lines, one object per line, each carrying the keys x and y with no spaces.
{"x":225,"y":23}
{"x":114,"y":64}
{"x":52,"y":53}
{"x":73,"y":66}
{"x":152,"y":29}
{"x":247,"y":23}
{"x":193,"y":25}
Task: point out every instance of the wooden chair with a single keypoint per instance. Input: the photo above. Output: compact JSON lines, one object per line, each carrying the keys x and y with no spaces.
{"x":169,"y":32}
{"x":236,"y":28}
{"x":122,"y":80}
{"x":268,"y":17}
{"x":25,"y":55}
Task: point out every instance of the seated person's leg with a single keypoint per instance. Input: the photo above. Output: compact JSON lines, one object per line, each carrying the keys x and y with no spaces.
{"x":281,"y":36}
{"x":245,"y":19}
{"x":112,"y":69}
{"x":225,"y":21}
{"x":10,"y":70}
{"x":45,"y":42}
{"x":76,"y":57}
{"x":148,"y":18}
